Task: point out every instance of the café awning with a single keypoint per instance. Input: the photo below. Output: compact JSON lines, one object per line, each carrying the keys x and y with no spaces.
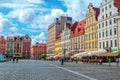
{"x":96,"y":53}
{"x":110,"y":54}
{"x":79,"y":55}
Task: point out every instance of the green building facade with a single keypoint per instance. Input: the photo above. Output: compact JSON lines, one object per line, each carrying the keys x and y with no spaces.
{"x":9,"y":48}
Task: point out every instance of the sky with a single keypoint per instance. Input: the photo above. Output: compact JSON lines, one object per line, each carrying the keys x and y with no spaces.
{"x":32,"y":17}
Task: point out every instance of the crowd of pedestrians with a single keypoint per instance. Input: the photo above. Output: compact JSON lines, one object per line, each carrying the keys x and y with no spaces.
{"x":98,"y":61}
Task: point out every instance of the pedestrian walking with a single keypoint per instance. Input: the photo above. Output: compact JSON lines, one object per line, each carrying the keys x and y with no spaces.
{"x":117,"y":62}
{"x":76,"y":60}
{"x":16,"y":59}
{"x":100,"y":61}
{"x":13,"y":60}
{"x":62,"y":61}
{"x":109,"y":61}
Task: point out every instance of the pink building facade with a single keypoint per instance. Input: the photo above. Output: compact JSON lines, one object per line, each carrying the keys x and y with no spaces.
{"x":2,"y":45}
{"x":26,"y":40}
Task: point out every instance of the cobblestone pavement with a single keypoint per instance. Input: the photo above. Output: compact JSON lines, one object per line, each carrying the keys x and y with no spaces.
{"x":52,"y":70}
{"x":99,"y":72}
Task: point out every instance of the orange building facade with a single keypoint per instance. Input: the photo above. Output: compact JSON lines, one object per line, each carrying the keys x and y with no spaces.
{"x":38,"y":49}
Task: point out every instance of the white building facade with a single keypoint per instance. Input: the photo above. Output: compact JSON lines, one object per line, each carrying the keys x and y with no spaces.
{"x":65,"y":37}
{"x":107,"y":26}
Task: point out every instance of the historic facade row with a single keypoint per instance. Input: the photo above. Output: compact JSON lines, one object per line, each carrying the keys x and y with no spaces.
{"x":18,"y":46}
{"x":98,"y":31}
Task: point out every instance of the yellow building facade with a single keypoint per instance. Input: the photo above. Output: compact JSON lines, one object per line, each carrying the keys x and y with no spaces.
{"x":91,"y":36}
{"x":58,"y":47}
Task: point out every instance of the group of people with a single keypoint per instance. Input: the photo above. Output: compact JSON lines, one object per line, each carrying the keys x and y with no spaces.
{"x":68,"y":60}
{"x":99,"y":61}
{"x":15,"y":59}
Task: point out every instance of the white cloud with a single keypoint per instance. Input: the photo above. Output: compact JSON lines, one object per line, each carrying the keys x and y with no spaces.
{"x":41,"y":38}
{"x":36,"y":1}
{"x":78,"y":8}
{"x":13,"y":30}
{"x":43,"y":21}
{"x":17,"y":4}
{"x":4,"y":24}
{"x":23,"y":15}
{"x":30,"y":30}
{"x":56,"y":12}
{"x":26,"y":15}
{"x":13,"y":14}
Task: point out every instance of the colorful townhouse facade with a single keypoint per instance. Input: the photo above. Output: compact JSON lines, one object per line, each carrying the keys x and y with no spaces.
{"x":26,"y":41}
{"x":38,"y":49}
{"x":58,"y":47}
{"x":97,"y":33}
{"x":91,"y":36}
{"x":18,"y":47}
{"x":107,"y":26}
{"x":2,"y":45}
{"x":77,"y":37}
{"x":117,"y":4}
{"x":10,"y":46}
{"x":65,"y":38}
{"x":54,"y":30}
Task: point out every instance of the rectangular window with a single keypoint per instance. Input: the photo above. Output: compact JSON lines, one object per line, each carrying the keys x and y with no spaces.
{"x":99,"y":35}
{"x":115,"y":31}
{"x":100,"y":45}
{"x":78,"y":39}
{"x":103,"y":24}
{"x":106,"y":23}
{"x":106,"y":33}
{"x":103,"y":45}
{"x":107,"y":44}
{"x":115,"y":43}
{"x":110,"y":22}
{"x":92,"y":44}
{"x":111,"y":44}
{"x":115,"y":20}
{"x":106,"y":8}
{"x":110,"y":13}
{"x":110,"y":32}
{"x":109,"y":6}
{"x":103,"y":17}
{"x":106,"y":15}
{"x":102,"y":34}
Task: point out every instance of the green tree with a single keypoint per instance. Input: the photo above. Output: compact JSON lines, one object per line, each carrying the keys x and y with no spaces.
{"x":43,"y":55}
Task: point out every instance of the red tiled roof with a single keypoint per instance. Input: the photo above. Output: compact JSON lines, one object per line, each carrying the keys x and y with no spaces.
{"x":82,"y":23}
{"x":78,"y":28}
{"x":97,"y":12}
{"x":74,"y":26}
{"x":117,"y":4}
{"x":10,"y":38}
{"x":40,"y":44}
